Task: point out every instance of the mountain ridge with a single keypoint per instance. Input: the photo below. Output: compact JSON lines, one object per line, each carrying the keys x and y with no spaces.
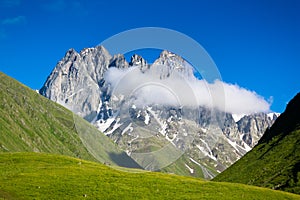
{"x":292,"y":110}
{"x":86,"y":84}
{"x":275,"y":161}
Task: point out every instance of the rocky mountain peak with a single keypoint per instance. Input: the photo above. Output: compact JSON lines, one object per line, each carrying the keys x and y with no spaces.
{"x":71,"y":51}
{"x":67,"y":84}
{"x":78,"y":82}
{"x":98,"y":48}
{"x":137,"y":60}
{"x":71,"y":55}
{"x":168,"y":54}
{"x":118,"y":61}
{"x":168,"y":62}
{"x":86,"y":51}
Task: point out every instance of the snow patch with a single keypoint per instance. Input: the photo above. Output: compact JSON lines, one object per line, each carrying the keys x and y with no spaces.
{"x":247,"y":147}
{"x":202,"y":149}
{"x":117,"y":125}
{"x":163,"y":125}
{"x":206,"y":173}
{"x":128,"y":128}
{"x":190,"y":169}
{"x":147,"y":119}
{"x":103,"y":125}
{"x":204,"y":130}
{"x":271,"y":115}
{"x":237,"y":117}
{"x":233,"y":144}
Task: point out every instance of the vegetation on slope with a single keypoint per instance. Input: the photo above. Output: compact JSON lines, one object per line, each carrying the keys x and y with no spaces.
{"x":275,"y":161}
{"x":30,"y":122}
{"x":44,"y":176}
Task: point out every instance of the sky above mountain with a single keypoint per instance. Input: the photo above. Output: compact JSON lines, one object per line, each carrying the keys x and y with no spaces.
{"x":255,"y":44}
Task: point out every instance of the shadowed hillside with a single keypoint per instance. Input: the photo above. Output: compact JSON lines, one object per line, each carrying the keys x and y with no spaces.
{"x":275,"y":161}
{"x":30,"y":122}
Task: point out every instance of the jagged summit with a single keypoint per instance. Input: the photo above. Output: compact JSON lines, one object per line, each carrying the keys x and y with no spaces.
{"x":71,"y":51}
{"x":98,"y":48}
{"x":118,"y":61}
{"x":73,"y":73}
{"x":137,"y":60}
{"x":166,"y":58}
{"x":169,"y":62}
{"x":70,"y":55}
{"x":168,"y":54}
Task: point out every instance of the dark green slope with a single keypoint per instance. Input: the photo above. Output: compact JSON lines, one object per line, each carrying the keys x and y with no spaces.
{"x":30,"y":122}
{"x":275,"y":161}
{"x":44,"y":176}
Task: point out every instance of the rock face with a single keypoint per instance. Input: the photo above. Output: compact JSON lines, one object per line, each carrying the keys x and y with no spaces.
{"x":120,"y":99}
{"x":253,"y":127}
{"x":77,"y":82}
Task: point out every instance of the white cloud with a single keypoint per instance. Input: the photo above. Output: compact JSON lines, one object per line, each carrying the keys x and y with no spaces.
{"x":184,"y":90}
{"x":238,"y":100}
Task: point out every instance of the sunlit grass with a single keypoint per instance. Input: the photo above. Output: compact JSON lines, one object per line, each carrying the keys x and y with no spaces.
{"x":45,"y":176}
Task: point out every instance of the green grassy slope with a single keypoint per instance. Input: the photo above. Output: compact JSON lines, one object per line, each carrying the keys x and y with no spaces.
{"x":45,"y":176}
{"x":30,"y":122}
{"x":275,"y":161}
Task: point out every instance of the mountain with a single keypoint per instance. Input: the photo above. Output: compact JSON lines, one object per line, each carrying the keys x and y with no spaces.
{"x":151,"y":111}
{"x":30,"y":122}
{"x":275,"y":161}
{"x":46,"y":176}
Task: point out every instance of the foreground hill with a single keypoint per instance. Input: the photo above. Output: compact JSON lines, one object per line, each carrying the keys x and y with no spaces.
{"x":44,"y":176}
{"x":30,"y":122}
{"x":275,"y":161}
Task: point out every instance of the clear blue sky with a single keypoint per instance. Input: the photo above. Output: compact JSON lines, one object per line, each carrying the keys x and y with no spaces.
{"x":254,"y":43}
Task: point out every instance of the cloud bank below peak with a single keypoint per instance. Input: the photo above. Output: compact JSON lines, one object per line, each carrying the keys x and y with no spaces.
{"x":239,"y":100}
{"x":179,"y":89}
